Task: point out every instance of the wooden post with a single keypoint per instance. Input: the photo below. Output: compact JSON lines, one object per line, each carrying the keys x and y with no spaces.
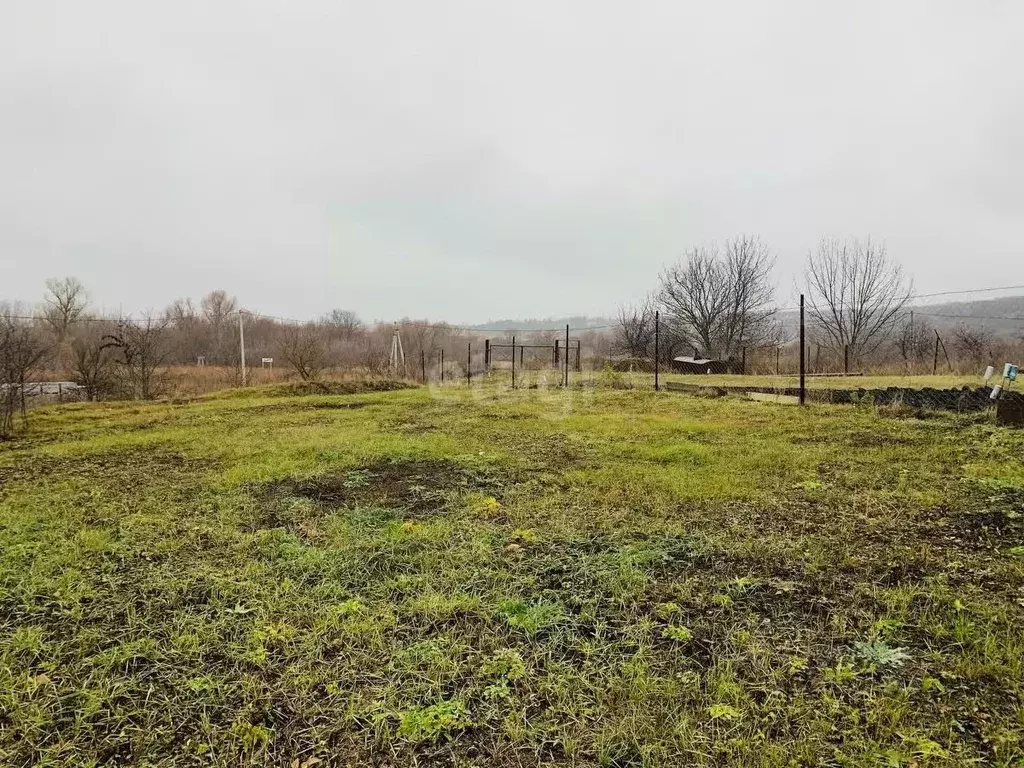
{"x":579,"y":362}
{"x":657,"y":323}
{"x":776,"y":361}
{"x":487,"y":354}
{"x":846,"y":358}
{"x":935,"y":360}
{"x":743,"y":363}
{"x":423,"y":365}
{"x":949,"y":365}
{"x":803,"y":387}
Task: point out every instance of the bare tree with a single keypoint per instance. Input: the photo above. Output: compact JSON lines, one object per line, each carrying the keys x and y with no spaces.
{"x":92,"y":362}
{"x":722,"y":301}
{"x":634,"y":334}
{"x":343,"y":320}
{"x":64,"y":303}
{"x":141,"y":350}
{"x":218,"y":308}
{"x":305,"y":349}
{"x":973,"y":345}
{"x":912,"y":339}
{"x":190,"y":332}
{"x":856,"y":293}
{"x":22,"y":349}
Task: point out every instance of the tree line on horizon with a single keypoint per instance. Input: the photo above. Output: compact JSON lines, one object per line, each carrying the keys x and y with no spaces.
{"x":713,"y":301}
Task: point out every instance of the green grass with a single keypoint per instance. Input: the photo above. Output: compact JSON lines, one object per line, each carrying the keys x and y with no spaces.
{"x":485,"y":577}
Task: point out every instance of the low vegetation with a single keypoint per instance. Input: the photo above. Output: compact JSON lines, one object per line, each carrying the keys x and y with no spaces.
{"x":486,"y":577}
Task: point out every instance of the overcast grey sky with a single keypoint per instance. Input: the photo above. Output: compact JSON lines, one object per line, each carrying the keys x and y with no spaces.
{"x":475,"y":160}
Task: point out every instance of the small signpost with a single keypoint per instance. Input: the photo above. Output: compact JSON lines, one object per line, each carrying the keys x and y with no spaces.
{"x":268,"y":362}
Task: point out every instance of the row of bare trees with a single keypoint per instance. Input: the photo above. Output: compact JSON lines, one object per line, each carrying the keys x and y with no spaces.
{"x":720,"y":301}
{"x":132,"y":357}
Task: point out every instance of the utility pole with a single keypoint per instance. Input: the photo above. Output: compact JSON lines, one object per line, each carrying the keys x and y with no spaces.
{"x":241,"y":343}
{"x":397,"y":353}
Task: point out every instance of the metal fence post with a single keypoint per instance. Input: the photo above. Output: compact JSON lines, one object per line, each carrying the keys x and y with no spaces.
{"x":566,"y":355}
{"x":469,"y":363}
{"x":657,"y":328}
{"x":442,"y":365}
{"x":513,"y":362}
{"x":803,"y":387}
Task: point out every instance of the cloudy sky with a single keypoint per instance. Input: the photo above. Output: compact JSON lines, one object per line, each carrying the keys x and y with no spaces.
{"x":475,"y":160}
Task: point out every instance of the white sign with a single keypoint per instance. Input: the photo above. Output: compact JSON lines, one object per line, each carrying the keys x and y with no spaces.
{"x":268,"y":359}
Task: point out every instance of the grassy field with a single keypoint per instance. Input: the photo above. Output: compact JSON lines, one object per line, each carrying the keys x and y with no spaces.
{"x":485,"y":577}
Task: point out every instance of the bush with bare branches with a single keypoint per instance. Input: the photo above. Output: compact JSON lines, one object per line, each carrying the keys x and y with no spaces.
{"x":305,"y":348}
{"x":141,"y":351}
{"x":22,"y":349}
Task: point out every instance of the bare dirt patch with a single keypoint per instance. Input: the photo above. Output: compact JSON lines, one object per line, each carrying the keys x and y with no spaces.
{"x":417,"y":486}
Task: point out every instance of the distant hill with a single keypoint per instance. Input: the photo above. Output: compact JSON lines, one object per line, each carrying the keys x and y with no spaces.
{"x":1003,"y":316}
{"x":576,"y":323}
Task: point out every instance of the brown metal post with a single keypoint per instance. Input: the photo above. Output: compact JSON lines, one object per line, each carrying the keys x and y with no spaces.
{"x":469,"y":363}
{"x":743,"y":363}
{"x":657,"y":330}
{"x":776,"y":361}
{"x":442,"y":365}
{"x":803,"y":386}
{"x":579,"y":361}
{"x":846,"y":358}
{"x":423,"y":365}
{"x":935,"y":361}
{"x":566,"y":383}
{"x":487,"y":354}
{"x":513,"y":362}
